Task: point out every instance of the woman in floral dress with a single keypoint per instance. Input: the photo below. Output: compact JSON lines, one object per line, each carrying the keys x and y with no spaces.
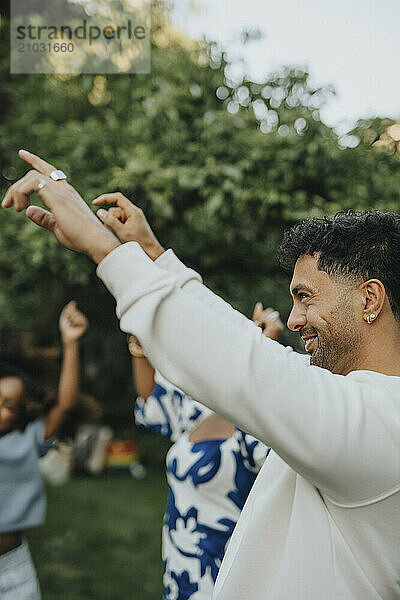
{"x":210,"y":467}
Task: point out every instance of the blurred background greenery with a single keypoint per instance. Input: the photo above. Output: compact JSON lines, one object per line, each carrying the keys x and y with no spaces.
{"x":101,"y":540}
{"x":220,"y":168}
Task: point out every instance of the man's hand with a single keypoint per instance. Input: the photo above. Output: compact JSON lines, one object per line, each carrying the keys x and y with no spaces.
{"x":72,"y":323}
{"x":128,"y":223}
{"x":69,"y":219}
{"x":268,"y":320}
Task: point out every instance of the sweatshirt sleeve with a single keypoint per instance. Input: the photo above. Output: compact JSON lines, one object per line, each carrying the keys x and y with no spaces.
{"x":192,"y":283}
{"x":338,"y":432}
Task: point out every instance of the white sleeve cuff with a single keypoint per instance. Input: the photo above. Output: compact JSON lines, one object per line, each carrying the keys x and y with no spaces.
{"x":129,"y":274}
{"x":170,"y":262}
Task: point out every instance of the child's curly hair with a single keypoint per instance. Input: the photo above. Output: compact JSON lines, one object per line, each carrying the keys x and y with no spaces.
{"x":38,"y":399}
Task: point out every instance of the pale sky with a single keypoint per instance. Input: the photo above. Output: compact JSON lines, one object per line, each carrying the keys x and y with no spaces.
{"x":352,"y":44}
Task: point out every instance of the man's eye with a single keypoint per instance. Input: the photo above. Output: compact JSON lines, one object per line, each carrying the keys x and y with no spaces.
{"x":301,"y":296}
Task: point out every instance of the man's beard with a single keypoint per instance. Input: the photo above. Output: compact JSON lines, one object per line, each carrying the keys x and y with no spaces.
{"x":336,"y":354}
{"x":340,"y":342}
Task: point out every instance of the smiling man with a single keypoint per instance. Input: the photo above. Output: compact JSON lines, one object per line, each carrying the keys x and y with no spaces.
{"x":322,"y":521}
{"x":317,"y":300}
{"x":346,"y":275}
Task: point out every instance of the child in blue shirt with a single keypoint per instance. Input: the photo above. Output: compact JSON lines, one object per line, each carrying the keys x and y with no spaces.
{"x":23,"y":440}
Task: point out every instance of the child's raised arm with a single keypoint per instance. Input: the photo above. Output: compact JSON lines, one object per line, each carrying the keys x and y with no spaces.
{"x":73,"y":325}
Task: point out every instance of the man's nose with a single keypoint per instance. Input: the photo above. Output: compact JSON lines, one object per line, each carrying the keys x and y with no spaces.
{"x":297,"y":319}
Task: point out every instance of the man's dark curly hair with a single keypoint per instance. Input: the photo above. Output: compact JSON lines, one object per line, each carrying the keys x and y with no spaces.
{"x":37,"y":398}
{"x":364,"y":245}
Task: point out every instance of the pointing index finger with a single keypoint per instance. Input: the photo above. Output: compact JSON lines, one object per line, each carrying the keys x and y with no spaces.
{"x":37,"y":163}
{"x":115,"y":198}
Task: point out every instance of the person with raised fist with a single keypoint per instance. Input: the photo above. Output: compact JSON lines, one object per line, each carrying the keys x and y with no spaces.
{"x":27,"y":430}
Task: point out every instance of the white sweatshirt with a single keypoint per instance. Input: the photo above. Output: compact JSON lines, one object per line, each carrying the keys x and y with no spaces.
{"x":322,"y":521}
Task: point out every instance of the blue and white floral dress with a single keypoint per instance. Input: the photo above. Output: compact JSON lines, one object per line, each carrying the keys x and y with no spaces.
{"x":209,"y":482}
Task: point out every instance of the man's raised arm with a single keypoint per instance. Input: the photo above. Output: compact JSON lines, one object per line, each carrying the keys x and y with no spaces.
{"x":331,"y":429}
{"x":309,"y":416}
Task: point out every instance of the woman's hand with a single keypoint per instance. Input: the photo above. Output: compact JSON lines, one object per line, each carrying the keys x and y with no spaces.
{"x":128,"y":223}
{"x":72,"y":323}
{"x":70,"y":219}
{"x":268,"y":320}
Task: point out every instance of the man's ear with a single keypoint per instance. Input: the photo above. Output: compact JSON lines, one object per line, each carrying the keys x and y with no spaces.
{"x":373,"y":295}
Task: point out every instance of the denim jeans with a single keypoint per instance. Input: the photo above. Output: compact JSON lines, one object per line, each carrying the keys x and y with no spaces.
{"x":18,"y":579}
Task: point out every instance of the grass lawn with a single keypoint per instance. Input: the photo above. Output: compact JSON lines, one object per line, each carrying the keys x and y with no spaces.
{"x":101,"y":540}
